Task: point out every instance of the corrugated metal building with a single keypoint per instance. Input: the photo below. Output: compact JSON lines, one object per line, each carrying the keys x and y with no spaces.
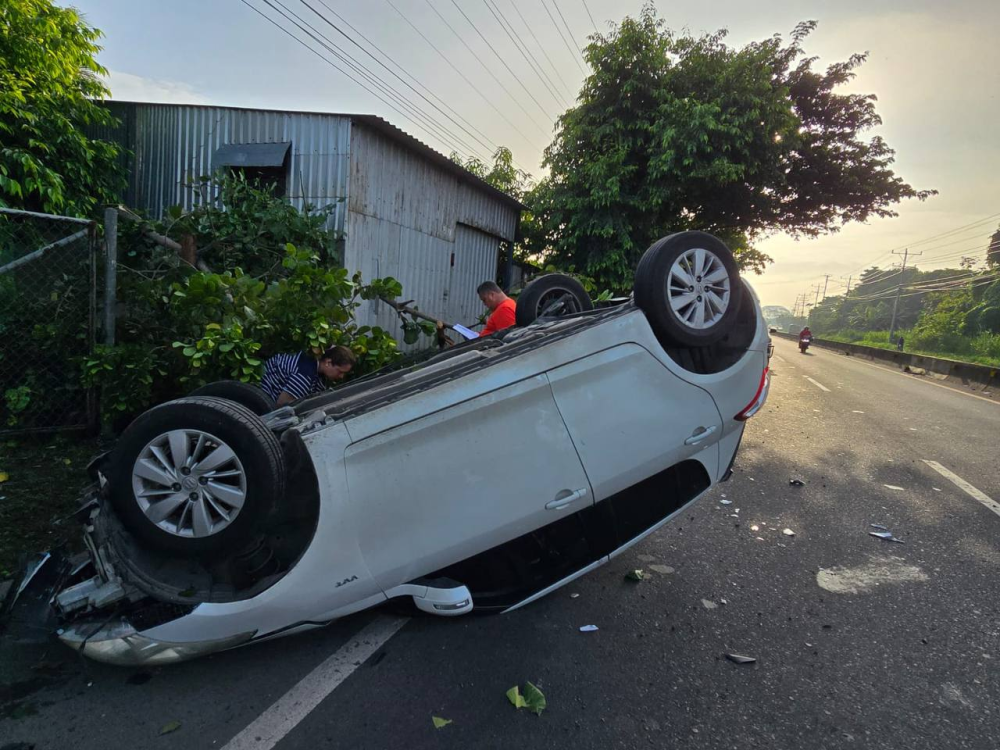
{"x":405,"y":210}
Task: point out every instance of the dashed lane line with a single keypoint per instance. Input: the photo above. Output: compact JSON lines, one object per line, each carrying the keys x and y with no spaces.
{"x":817,"y":384}
{"x":267,"y":730}
{"x":967,"y":488}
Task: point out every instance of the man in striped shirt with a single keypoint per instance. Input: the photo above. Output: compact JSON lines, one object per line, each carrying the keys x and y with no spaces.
{"x":288,"y":377}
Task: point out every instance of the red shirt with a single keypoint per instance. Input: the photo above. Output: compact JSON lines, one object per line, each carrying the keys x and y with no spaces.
{"x":504,"y":316}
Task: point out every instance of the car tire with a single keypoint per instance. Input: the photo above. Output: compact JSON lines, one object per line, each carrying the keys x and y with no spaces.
{"x":251,"y":396}
{"x":196,"y":476}
{"x":546,"y":292}
{"x":704,"y":309}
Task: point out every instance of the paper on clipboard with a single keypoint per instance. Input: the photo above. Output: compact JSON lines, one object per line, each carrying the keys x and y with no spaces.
{"x":467,"y":333}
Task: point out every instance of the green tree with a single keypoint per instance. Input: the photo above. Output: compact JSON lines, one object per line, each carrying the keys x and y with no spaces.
{"x":502,"y":174}
{"x":49,"y":87}
{"x":674,"y":132}
{"x":993,"y":251}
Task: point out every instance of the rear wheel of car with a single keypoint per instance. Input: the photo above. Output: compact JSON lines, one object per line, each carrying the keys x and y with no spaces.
{"x":552,"y":295}
{"x":251,"y":396}
{"x":688,"y":286}
{"x":195,"y":477}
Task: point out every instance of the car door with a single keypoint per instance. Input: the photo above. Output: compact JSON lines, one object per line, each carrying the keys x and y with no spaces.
{"x":631,"y":418}
{"x":451,"y":484}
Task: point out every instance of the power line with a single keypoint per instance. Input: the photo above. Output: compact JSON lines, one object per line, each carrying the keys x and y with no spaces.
{"x":487,"y":69}
{"x":594,"y":23}
{"x":526,"y":54}
{"x":487,"y":143}
{"x":473,"y":86}
{"x":354,"y":79}
{"x":563,"y":37}
{"x":541,"y":46}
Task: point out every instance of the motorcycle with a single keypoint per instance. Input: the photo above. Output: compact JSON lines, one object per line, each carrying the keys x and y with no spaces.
{"x":804,"y":343}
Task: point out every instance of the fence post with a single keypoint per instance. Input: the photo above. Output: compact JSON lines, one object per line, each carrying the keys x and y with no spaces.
{"x":110,"y":273}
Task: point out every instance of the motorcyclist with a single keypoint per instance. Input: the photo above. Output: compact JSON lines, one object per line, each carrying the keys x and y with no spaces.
{"x":805,"y":333}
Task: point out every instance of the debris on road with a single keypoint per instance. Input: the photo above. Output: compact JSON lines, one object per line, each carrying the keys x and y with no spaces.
{"x":726,"y":502}
{"x":755,"y":527}
{"x":886,"y":535}
{"x":647,"y":558}
{"x":796,"y":483}
{"x":892,"y":487}
{"x":589,"y":629}
{"x":574,"y":596}
{"x":634,"y":575}
{"x":740,"y":659}
{"x":4,"y":476}
{"x":857,"y":411}
{"x":708,"y":604}
{"x":663,"y":569}
{"x":173,"y":726}
{"x":879,"y":526}
{"x":788,"y":532}
{"x":936,"y":489}
{"x":914,"y":370}
{"x":533,"y":698}
{"x":439,"y":722}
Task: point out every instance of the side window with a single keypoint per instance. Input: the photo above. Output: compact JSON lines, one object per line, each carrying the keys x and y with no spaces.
{"x":264,"y":163}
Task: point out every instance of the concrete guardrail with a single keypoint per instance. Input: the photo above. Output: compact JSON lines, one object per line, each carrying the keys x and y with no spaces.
{"x":918,"y":364}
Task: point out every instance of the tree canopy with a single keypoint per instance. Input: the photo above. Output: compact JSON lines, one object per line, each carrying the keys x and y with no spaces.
{"x":49,"y":87}
{"x":674,"y":132}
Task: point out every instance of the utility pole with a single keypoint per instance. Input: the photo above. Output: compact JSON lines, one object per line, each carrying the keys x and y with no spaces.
{"x":827,"y":281}
{"x":899,"y":288}
{"x":849,"y":280}
{"x":817,"y":296}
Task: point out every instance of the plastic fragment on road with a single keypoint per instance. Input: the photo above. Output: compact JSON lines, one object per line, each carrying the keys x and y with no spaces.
{"x":788,"y":532}
{"x":589,"y":629}
{"x":936,"y":489}
{"x":740,"y":659}
{"x":533,"y":699}
{"x":662,"y":569}
{"x":172,"y":726}
{"x":796,"y":483}
{"x":879,"y":526}
{"x":708,"y":604}
{"x":439,"y":722}
{"x":892,"y":487}
{"x":574,"y":596}
{"x":755,"y":527}
{"x":634,"y":575}
{"x":856,"y":411}
{"x":726,"y":502}
{"x":886,"y":535}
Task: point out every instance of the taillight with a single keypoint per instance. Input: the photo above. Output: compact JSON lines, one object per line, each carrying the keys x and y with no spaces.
{"x":759,"y":398}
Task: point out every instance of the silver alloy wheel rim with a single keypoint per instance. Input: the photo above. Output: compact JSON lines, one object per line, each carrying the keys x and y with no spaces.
{"x":698,"y":289}
{"x":189,"y":483}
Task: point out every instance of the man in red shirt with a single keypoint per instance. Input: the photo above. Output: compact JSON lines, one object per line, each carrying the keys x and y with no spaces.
{"x":502,"y":308}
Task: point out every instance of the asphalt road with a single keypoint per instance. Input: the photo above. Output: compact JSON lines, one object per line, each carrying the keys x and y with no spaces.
{"x":859,"y":642}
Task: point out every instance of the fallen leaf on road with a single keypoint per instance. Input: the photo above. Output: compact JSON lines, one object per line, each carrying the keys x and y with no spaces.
{"x":4,"y":476}
{"x":664,"y":569}
{"x":589,"y":629}
{"x":708,"y":604}
{"x":788,"y":532}
{"x":439,"y":722}
{"x":173,"y":726}
{"x":739,"y":659}
{"x":515,"y":697}
{"x":534,"y":699}
{"x":634,"y":575}
{"x":67,"y":461}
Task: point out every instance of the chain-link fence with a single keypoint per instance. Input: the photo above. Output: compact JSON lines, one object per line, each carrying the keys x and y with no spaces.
{"x":48,"y":297}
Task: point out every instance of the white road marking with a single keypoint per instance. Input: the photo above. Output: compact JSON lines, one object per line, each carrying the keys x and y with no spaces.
{"x":264,"y":732}
{"x":780,"y":358}
{"x":979,"y":495}
{"x":818,"y":385}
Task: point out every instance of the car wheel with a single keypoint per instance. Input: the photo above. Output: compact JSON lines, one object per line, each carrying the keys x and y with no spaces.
{"x":688,"y":286}
{"x":251,"y":396}
{"x":552,"y":295}
{"x":194,"y":477}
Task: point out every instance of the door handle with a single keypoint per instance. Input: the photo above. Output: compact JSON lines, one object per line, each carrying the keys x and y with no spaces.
{"x":562,"y":502}
{"x":697,"y":437}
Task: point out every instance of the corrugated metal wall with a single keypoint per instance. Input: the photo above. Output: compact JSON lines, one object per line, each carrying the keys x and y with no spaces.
{"x":174,"y":144}
{"x":408,"y":218}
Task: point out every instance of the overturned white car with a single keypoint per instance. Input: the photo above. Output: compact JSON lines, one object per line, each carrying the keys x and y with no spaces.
{"x":483,"y":478}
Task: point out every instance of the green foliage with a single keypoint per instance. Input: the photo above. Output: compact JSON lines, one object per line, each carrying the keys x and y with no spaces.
{"x":49,"y":88}
{"x":126,"y":373}
{"x":674,"y":132}
{"x":502,"y":174}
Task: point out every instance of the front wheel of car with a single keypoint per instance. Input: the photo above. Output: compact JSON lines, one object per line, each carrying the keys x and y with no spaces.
{"x":196,"y":476}
{"x":688,"y":286}
{"x":552,"y":295}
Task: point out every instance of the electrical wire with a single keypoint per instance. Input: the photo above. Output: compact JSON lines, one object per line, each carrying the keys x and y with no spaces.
{"x":563,"y":37}
{"x":540,"y":46}
{"x":485,"y":67}
{"x":569,"y":31}
{"x":526,"y":54}
{"x":592,"y":21}
{"x":473,"y":86}
{"x":503,"y":62}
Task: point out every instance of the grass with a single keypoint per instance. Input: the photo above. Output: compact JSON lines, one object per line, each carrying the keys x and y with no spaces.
{"x":44,"y":478}
{"x":880,"y":340}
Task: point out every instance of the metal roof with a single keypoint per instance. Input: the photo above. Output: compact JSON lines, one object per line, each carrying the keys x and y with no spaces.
{"x":375,"y":122}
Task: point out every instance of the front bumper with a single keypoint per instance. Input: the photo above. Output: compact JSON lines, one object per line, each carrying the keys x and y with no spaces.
{"x":119,"y":643}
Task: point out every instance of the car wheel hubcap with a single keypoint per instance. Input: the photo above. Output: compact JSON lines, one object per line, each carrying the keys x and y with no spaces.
{"x":189,"y":483}
{"x":698,"y":289}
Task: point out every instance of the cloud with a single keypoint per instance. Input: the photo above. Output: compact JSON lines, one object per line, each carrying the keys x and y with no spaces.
{"x":128,"y":87}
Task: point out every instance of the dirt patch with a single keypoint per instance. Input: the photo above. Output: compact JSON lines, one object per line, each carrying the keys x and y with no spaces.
{"x":864,"y":578}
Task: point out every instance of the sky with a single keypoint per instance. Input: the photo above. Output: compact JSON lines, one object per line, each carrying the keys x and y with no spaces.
{"x":935,"y":68}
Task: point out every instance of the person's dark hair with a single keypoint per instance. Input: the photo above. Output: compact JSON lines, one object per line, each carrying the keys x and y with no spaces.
{"x":340,"y":356}
{"x":488,"y":286}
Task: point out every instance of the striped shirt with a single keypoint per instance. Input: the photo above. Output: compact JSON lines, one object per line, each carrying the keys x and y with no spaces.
{"x":295,"y":374}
